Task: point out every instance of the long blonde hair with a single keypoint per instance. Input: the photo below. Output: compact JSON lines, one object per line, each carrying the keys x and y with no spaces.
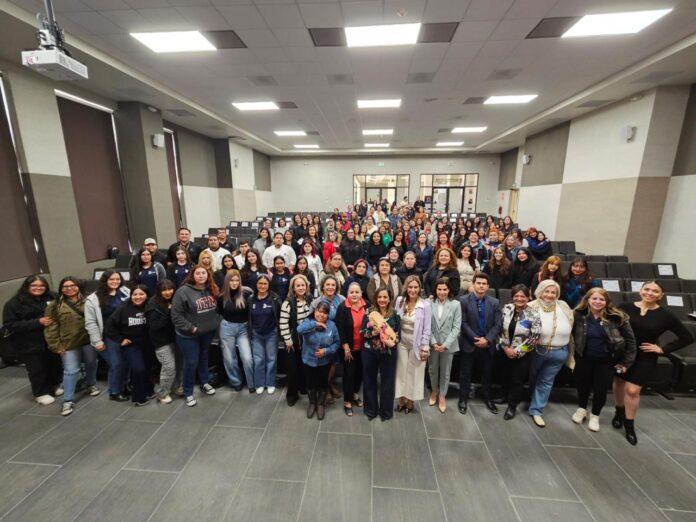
{"x":608,"y":312}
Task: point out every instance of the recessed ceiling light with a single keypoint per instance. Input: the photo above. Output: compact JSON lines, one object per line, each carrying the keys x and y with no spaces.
{"x":377,"y":145}
{"x":256,"y":106}
{"x":462,"y":130}
{"x":378,"y":132}
{"x":375,"y":35}
{"x":306,"y":146}
{"x":379,"y":104}
{"x":290,"y":133}
{"x":174,"y":42}
{"x":614,"y":23}
{"x":449,"y":144}
{"x":515,"y":98}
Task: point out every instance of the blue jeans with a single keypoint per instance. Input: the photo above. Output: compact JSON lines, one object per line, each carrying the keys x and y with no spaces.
{"x":195,"y":351}
{"x":265,"y":350}
{"x":118,"y":366}
{"x":71,"y":369}
{"x":233,"y":336}
{"x":544,"y":369}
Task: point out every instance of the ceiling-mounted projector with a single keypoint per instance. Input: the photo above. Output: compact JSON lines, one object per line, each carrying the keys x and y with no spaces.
{"x":52,"y":58}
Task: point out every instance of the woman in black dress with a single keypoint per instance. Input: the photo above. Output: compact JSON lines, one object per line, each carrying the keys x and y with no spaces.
{"x":649,"y":321}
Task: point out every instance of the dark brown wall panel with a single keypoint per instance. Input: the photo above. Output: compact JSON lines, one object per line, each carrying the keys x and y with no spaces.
{"x":96,"y":180}
{"x":172,"y":162}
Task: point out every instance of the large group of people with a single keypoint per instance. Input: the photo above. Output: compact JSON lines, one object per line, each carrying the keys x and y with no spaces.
{"x":379,"y":294}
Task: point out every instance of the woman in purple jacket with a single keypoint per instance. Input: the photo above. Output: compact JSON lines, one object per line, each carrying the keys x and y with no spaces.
{"x":414,"y":345}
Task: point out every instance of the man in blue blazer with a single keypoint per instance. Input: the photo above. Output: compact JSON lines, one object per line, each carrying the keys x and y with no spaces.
{"x":481,"y":327}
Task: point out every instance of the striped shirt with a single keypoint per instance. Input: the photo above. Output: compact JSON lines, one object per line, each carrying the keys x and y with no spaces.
{"x":285,"y":310}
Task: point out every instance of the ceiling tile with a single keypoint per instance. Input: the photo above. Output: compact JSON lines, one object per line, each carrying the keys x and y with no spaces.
{"x":99,"y":5}
{"x":514,"y":29}
{"x":257,"y":37}
{"x":93,"y":22}
{"x":281,"y":68}
{"x":445,"y":10}
{"x":427,"y":57}
{"x":293,"y":37}
{"x":322,"y":15}
{"x":144,"y":4}
{"x":487,"y":9}
{"x":474,"y":31}
{"x":270,"y":55}
{"x":242,"y":17}
{"x":165,"y":19}
{"x":208,"y":18}
{"x":281,"y":16}
{"x":463,"y":50}
{"x":189,"y":3}
{"x":129,"y":19}
{"x":530,"y":9}
{"x":34,"y":6}
{"x":362,"y":13}
{"x":500,"y":48}
{"x":403,"y":11}
{"x":302,"y":54}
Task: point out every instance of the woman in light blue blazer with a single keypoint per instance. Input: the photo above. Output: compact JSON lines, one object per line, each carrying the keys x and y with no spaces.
{"x":446,"y":322}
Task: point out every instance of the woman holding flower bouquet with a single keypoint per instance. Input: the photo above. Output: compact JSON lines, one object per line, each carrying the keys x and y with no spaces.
{"x":381,"y":334}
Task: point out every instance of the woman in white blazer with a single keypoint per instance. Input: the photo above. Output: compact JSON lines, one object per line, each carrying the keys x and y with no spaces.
{"x":446,"y":322}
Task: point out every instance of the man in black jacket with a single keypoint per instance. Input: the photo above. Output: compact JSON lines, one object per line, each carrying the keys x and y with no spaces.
{"x":184,"y":236}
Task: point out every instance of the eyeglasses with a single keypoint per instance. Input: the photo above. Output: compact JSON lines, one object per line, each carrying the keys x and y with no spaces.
{"x":69,"y":286}
{"x":37,"y":286}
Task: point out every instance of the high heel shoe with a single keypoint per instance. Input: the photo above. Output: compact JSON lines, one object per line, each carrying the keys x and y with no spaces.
{"x":432,"y":400}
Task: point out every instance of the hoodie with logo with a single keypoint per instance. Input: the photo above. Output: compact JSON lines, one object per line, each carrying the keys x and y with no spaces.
{"x":194,"y":308}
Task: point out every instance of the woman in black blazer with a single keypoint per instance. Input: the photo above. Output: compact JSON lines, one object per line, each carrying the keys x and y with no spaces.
{"x":444,"y":267}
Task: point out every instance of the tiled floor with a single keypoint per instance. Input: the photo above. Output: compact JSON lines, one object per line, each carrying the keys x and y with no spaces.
{"x":251,"y":458}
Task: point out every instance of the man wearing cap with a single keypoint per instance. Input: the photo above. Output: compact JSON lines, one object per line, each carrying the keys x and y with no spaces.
{"x":150,"y":244}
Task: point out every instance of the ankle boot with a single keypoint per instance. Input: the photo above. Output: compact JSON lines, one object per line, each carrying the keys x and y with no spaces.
{"x":321,"y":401}
{"x":630,"y":432}
{"x":312,"y":407}
{"x":618,"y":420}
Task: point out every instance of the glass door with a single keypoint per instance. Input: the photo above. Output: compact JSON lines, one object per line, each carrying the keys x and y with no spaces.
{"x":454,"y":200}
{"x":439,"y":199}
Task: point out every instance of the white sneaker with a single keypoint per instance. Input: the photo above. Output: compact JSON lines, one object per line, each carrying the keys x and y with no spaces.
{"x":594,"y":423}
{"x":93,"y":391}
{"x":59,"y":391}
{"x":165,"y":400}
{"x":270,"y":390}
{"x":190,"y":400}
{"x":539,"y":421}
{"x":67,"y":408}
{"x":259,"y":389}
{"x":579,"y":416}
{"x":44,"y":400}
{"x":208,"y":389}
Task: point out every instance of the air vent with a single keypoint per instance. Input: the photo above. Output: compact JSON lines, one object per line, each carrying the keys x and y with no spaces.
{"x":420,"y":77}
{"x":429,"y":100}
{"x":437,"y":32}
{"x":591,"y":104}
{"x":262,"y":80}
{"x":287,"y":105}
{"x":657,"y":76}
{"x":474,"y":100}
{"x":182,"y":113}
{"x":553,"y":27}
{"x":328,"y":37}
{"x":340,"y":79}
{"x":504,"y":74}
{"x":312,"y":133}
{"x":225,"y":39}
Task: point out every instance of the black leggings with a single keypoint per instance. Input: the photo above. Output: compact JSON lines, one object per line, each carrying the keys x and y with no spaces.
{"x":44,"y":370}
{"x":294,"y":371}
{"x":316,"y":377}
{"x":352,"y":376}
{"x":593,"y":375}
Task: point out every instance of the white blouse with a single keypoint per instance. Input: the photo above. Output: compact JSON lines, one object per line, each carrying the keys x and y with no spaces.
{"x":561,"y":337}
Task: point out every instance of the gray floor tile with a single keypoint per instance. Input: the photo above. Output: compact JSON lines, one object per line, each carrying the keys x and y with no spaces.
{"x":266,"y":501}
{"x":77,"y":483}
{"x":250,"y":410}
{"x":603,"y":487}
{"x":339,"y":479}
{"x":668,"y":431}
{"x":678,"y":405}
{"x":74,"y":432}
{"x":680,"y":516}
{"x":516,"y":450}
{"x":339,"y":422}
{"x":560,"y":429}
{"x":687,"y":461}
{"x":400,"y":454}
{"x":12,"y":380}
{"x":470,"y":485}
{"x":662,"y":479}
{"x":450,"y":425}
{"x":206,"y":486}
{"x":153,"y":412}
{"x":399,"y":505}
{"x":131,"y":495}
{"x":688,"y":420}
{"x":18,"y":480}
{"x":286,"y":447}
{"x":535,"y":510}
{"x":180,"y":435}
{"x":21,"y":431}
{"x":14,"y":404}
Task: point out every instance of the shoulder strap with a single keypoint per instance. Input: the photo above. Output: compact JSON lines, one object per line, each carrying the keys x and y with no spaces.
{"x":74,"y":308}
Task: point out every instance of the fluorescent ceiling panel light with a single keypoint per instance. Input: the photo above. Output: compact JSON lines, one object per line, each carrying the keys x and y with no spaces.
{"x":256,"y":106}
{"x":393,"y":103}
{"x":449,"y":144}
{"x":515,"y":98}
{"x":614,"y":23}
{"x":378,"y":132}
{"x":175,"y":41}
{"x":378,"y":35}
{"x":462,"y":130}
{"x":377,"y":145}
{"x":290,"y":133}
{"x":306,"y":146}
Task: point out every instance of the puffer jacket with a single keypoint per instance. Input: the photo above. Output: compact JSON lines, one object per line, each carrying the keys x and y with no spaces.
{"x":68,"y":329}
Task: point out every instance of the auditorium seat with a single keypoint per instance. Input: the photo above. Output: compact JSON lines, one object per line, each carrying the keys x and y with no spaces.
{"x":594,"y":257}
{"x":565,"y":266}
{"x":679,"y":304}
{"x":642,"y":270}
{"x":665,"y":270}
{"x":688,"y":285}
{"x":122,"y":261}
{"x":617,"y":259}
{"x":669,"y":285}
{"x":619,"y":270}
{"x":684,"y":360}
{"x":598,"y":269}
{"x":616,"y":297}
{"x":505,"y":296}
{"x":567,"y":247}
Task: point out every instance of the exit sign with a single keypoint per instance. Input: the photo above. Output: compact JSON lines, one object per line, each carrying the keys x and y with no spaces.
{"x":380,"y":164}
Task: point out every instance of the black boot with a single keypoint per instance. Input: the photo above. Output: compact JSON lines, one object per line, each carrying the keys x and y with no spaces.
{"x":462,"y":405}
{"x":510,"y":412}
{"x":618,"y":420}
{"x":312,"y":407}
{"x":630,"y":432}
{"x":321,"y":401}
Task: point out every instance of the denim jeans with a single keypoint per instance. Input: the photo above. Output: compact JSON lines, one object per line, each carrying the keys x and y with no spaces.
{"x":71,"y":369}
{"x":118,"y":367}
{"x":234,"y":336}
{"x":195,"y":352}
{"x":544,"y":369}
{"x":265,"y":349}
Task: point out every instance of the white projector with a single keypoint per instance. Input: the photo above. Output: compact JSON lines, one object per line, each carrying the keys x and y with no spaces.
{"x":54,"y":64}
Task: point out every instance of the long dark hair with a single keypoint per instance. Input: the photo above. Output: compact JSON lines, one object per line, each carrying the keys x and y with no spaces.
{"x":209,"y":283}
{"x":163,"y":285}
{"x":144,"y":289}
{"x":237,"y":298}
{"x":246,"y":269}
{"x":79,"y":282}
{"x":138,"y":264}
{"x":103,"y":287}
{"x":23,"y":291}
{"x":585,"y":279}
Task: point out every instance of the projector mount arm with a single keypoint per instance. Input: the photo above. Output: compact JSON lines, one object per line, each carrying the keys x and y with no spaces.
{"x":50,"y":34}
